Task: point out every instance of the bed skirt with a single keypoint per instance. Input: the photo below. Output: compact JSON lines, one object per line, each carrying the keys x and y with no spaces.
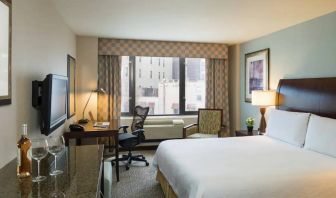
{"x":166,"y":188}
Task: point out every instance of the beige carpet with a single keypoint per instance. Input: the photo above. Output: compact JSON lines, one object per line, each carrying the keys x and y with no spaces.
{"x":139,"y":181}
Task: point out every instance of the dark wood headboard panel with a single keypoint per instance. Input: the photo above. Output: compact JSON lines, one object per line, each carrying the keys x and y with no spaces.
{"x":313,"y":95}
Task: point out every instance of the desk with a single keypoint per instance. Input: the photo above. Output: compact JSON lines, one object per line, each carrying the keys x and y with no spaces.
{"x":94,"y":132}
{"x":82,"y":176}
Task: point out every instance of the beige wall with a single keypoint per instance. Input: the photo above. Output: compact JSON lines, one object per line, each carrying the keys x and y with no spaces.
{"x":41,"y":42}
{"x":234,"y":87}
{"x":87,"y":70}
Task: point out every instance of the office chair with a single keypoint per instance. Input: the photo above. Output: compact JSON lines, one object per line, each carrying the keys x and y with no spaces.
{"x":129,"y":141}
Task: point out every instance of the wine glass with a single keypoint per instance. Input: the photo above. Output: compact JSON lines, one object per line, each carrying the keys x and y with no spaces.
{"x":56,"y":193}
{"x":38,"y":151}
{"x":56,"y":146}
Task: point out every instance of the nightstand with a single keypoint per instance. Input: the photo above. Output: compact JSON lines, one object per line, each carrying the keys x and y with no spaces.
{"x":245,"y":133}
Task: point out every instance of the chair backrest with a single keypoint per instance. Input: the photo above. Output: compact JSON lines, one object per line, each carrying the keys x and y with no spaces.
{"x":139,"y":117}
{"x":210,"y":120}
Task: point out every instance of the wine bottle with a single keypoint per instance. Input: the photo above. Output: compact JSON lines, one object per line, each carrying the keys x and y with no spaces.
{"x":23,"y":160}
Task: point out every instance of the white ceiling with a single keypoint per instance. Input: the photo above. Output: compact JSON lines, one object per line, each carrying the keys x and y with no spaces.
{"x":223,"y":21}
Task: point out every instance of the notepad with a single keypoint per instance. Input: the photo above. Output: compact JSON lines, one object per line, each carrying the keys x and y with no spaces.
{"x":101,"y":124}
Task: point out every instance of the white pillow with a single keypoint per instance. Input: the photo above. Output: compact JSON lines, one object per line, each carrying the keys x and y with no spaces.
{"x":321,"y":135}
{"x":290,"y":127}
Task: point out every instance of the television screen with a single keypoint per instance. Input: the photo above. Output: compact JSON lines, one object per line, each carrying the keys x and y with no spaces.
{"x":58,"y":102}
{"x":50,"y":98}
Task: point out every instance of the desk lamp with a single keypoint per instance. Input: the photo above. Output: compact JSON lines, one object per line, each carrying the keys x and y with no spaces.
{"x":99,"y":90}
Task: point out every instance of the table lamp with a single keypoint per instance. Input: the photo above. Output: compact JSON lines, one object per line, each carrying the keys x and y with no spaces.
{"x":98,"y":90}
{"x":263,"y":99}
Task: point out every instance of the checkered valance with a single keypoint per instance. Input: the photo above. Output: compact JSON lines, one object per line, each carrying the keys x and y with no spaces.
{"x":125,"y":47}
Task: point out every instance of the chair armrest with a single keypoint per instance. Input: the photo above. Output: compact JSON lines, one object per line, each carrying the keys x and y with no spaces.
{"x":140,"y":135}
{"x":137,"y":132}
{"x":124,"y":128}
{"x":189,"y":130}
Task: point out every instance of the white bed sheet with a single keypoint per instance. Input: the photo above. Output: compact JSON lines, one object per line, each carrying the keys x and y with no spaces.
{"x":256,"y":166}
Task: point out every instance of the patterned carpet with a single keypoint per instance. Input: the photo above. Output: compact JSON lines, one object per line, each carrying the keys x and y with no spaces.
{"x":139,"y":181}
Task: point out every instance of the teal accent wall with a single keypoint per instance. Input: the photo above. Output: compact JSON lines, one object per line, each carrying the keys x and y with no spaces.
{"x":304,"y":50}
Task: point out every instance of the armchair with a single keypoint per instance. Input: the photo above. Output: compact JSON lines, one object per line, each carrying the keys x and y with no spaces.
{"x":209,"y":124}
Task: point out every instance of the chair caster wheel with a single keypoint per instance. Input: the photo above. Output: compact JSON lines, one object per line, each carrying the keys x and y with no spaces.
{"x":147,"y":164}
{"x":127,"y":168}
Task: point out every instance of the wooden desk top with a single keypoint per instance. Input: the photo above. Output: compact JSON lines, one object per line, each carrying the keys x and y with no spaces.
{"x":91,"y":131}
{"x":114,"y":126}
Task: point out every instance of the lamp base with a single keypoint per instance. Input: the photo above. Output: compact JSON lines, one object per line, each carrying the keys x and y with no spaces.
{"x":262,"y":125}
{"x":83,"y":121}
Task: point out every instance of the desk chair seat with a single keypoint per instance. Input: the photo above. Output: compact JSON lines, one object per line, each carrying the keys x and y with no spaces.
{"x":123,"y":137}
{"x":127,"y":141}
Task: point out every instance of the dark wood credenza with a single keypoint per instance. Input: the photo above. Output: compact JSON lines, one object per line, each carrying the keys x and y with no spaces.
{"x":83,"y":175}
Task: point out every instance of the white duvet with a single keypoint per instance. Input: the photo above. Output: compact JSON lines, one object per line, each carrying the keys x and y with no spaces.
{"x":242,"y":167}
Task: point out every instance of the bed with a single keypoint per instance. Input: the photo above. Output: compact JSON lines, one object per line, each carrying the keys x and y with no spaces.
{"x":257,"y":166}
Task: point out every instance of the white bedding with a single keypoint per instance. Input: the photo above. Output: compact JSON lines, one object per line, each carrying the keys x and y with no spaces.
{"x":256,"y":166}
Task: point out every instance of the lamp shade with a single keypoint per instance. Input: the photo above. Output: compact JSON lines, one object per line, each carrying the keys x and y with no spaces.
{"x":263,"y":98}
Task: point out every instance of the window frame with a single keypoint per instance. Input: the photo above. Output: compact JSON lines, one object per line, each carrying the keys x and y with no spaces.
{"x":182,"y":99}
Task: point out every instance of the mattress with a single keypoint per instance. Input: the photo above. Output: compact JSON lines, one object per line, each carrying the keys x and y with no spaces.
{"x":255,"y":166}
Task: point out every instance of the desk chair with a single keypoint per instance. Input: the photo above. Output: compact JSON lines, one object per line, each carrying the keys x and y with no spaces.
{"x":129,"y":141}
{"x":209,"y":125}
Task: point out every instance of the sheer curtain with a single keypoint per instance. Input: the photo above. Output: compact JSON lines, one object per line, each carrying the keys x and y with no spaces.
{"x":217,"y":88}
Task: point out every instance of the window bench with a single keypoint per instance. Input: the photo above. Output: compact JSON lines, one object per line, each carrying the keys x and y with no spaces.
{"x":159,"y":129}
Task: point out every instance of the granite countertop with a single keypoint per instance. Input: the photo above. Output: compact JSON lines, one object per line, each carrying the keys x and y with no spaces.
{"x":81,"y":177}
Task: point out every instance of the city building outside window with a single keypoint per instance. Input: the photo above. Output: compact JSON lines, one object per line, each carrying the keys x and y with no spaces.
{"x":181,"y":90}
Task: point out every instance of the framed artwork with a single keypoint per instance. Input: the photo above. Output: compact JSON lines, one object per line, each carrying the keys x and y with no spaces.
{"x":256,"y":72}
{"x":71,"y":62}
{"x":5,"y":52}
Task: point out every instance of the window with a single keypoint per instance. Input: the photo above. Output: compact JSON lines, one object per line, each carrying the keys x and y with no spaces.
{"x":194,"y":83}
{"x":125,"y":85}
{"x":179,"y":90}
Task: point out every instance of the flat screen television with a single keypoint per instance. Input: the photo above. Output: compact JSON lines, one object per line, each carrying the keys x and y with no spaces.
{"x":50,"y":98}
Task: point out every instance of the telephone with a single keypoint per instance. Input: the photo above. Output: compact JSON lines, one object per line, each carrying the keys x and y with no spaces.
{"x":76,"y":127}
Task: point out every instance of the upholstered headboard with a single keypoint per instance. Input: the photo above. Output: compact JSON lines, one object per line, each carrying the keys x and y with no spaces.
{"x":313,"y":95}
